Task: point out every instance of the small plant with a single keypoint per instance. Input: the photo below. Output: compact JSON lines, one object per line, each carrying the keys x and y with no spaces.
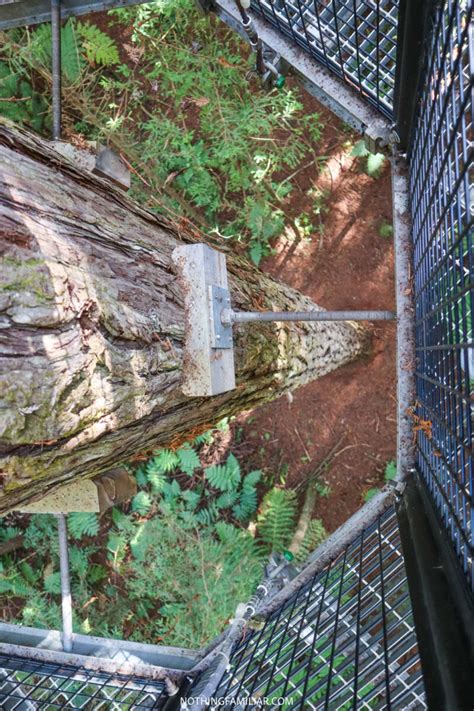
{"x":276,"y":520}
{"x":390,"y":474}
{"x":82,"y":524}
{"x":374,"y":162}
{"x":386,"y":230}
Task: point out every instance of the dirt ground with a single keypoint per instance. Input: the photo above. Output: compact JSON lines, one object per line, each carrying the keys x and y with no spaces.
{"x":351,"y":410}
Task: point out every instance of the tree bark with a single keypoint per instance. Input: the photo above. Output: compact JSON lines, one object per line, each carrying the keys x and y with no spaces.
{"x":92,"y":327}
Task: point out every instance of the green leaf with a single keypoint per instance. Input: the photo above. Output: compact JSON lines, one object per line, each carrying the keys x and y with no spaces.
{"x":227,"y":499}
{"x":192,"y":498}
{"x":371,"y":493}
{"x":224,"y":477}
{"x":52,"y":583}
{"x":253,"y":477}
{"x":390,"y":470}
{"x":99,"y":47}
{"x":375,"y":162}
{"x":276,"y":520}
{"x":141,"y":503}
{"x":360,"y":150}
{"x":165,"y":461}
{"x":188,"y":459}
{"x":82,"y":524}
{"x":256,"y":253}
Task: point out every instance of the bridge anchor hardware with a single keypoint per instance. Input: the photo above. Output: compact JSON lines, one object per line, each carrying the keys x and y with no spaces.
{"x":210,"y":317}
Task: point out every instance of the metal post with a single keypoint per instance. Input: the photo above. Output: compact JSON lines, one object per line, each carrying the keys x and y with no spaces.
{"x":56,"y":66}
{"x":65,"y":583}
{"x":229,"y":317}
{"x":413,"y":23}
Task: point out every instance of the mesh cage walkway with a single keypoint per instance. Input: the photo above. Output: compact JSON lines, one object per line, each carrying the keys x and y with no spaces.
{"x":346,"y":639}
{"x":356,"y":39}
{"x":27,"y":685}
{"x":441,"y":180}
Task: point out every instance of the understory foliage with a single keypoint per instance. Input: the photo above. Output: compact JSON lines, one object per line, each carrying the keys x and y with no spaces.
{"x":169,"y":567}
{"x":168,"y":88}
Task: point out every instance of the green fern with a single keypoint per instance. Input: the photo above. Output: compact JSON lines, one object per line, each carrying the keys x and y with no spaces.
{"x":208,"y":515}
{"x":52,"y":583}
{"x":247,"y":504}
{"x":165,"y":461}
{"x":188,"y":460}
{"x":82,"y":524}
{"x":15,"y":586}
{"x":99,"y":47}
{"x":227,"y":499}
{"x":141,"y":503}
{"x":71,"y":60}
{"x":315,"y":535}
{"x":224,"y":477}
{"x":79,"y":561}
{"x":276,"y":520}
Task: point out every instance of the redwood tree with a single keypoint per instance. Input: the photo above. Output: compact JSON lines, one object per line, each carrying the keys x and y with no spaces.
{"x":92,"y":327}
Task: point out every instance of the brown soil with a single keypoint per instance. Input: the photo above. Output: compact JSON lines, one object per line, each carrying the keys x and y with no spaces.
{"x":353,"y":408}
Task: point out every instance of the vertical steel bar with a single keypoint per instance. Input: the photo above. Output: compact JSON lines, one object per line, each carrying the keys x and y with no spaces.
{"x":66,"y":601}
{"x":56,"y":66}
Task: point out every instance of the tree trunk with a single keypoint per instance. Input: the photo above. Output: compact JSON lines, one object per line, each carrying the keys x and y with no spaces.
{"x":92,"y":327}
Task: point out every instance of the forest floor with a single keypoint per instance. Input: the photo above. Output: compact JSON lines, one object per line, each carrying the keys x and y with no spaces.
{"x":344,"y":422}
{"x":280,"y":178}
{"x":351,"y":410}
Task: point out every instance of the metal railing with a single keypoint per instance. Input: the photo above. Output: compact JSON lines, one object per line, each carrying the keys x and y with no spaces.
{"x":346,"y":639}
{"x":441,"y":180}
{"x":356,"y":39}
{"x":27,"y":685}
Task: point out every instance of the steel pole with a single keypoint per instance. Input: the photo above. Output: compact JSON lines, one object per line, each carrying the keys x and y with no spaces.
{"x":230,"y":317}
{"x":56,"y":66}
{"x":66,"y":601}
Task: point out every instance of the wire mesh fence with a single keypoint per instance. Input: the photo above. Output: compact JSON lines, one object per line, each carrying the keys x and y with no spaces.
{"x":356,"y":39}
{"x":27,"y":685}
{"x":441,"y":179}
{"x":345,"y":640}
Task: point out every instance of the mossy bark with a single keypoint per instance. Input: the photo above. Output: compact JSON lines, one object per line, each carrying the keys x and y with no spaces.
{"x":92,"y":327}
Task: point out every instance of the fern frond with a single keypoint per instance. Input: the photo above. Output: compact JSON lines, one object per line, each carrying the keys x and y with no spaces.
{"x":99,"y":47}
{"x":227,"y":499}
{"x":224,"y":477}
{"x":79,"y":561}
{"x":15,"y":586}
{"x":141,"y":503}
{"x":276,"y":520}
{"x":315,"y":535}
{"x":188,"y":460}
{"x":247,"y":502}
{"x":71,"y":60}
{"x":164,"y":461}
{"x":82,"y":524}
{"x":208,"y":515}
{"x":52,"y":583}
{"x":252,"y":478}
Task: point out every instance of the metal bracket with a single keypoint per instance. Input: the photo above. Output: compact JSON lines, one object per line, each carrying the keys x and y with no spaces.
{"x":221,"y":334}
